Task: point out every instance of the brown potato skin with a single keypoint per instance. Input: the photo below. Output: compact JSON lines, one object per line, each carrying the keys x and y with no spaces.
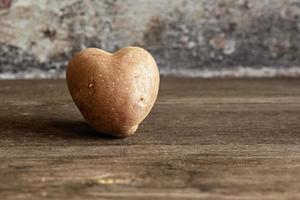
{"x":114,"y":92}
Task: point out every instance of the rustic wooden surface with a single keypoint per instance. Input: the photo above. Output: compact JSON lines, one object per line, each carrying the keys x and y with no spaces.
{"x":205,"y":139}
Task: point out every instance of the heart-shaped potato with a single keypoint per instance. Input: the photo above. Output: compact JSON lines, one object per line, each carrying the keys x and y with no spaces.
{"x":114,"y":92}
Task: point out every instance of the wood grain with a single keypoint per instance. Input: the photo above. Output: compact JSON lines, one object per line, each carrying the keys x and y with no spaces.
{"x":205,"y":139}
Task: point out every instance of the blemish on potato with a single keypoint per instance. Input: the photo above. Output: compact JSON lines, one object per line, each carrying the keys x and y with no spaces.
{"x":91,"y":85}
{"x":141,"y":99}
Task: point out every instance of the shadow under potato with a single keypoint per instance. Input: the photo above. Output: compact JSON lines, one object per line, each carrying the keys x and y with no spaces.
{"x":44,"y":127}
{"x":79,"y":128}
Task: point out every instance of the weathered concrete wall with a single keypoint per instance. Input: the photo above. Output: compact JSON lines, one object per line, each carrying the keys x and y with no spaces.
{"x":183,"y":35}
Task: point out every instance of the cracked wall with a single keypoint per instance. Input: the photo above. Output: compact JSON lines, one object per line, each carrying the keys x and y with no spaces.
{"x":182,"y":35}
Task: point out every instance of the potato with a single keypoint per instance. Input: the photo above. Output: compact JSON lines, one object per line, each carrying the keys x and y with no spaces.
{"x":114,"y":92}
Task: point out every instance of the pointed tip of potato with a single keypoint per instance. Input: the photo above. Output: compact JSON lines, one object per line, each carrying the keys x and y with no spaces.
{"x":121,"y":133}
{"x":126,"y":132}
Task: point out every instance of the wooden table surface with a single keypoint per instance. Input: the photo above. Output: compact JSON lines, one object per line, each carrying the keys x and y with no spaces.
{"x":205,"y":139}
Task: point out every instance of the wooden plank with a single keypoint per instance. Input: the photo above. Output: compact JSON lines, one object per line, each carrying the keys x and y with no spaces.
{"x":205,"y":139}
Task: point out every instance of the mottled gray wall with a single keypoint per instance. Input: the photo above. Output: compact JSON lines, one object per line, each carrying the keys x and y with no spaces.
{"x":197,"y":36}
